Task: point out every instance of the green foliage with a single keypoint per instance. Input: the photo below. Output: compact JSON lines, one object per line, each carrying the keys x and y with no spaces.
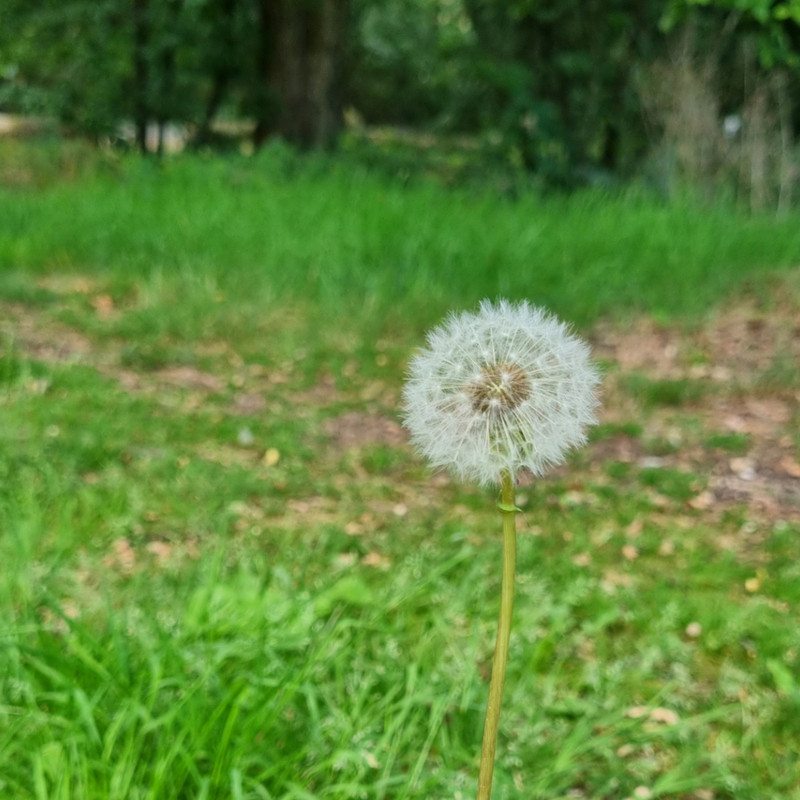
{"x":407,"y":61}
{"x":99,"y":66}
{"x":782,"y":373}
{"x":561,"y":89}
{"x":551,"y":88}
{"x":664,"y":392}
{"x":608,"y":430}
{"x":60,"y":59}
{"x":774,"y":25}
{"x":737,"y":443}
{"x":562,"y":81}
{"x":671,"y":483}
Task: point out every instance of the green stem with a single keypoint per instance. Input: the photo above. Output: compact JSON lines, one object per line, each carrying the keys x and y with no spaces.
{"x":508,"y":510}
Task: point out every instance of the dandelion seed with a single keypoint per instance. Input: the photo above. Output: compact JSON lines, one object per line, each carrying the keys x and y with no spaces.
{"x":498,"y":391}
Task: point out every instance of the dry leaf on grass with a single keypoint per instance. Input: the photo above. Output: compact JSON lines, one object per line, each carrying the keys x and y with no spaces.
{"x":374,"y":559}
{"x":702,"y":501}
{"x":629,"y":552}
{"x":161,"y":550}
{"x":103,"y":304}
{"x":582,"y":560}
{"x":790,"y":467}
{"x":122,"y":557}
{"x":664,"y":716}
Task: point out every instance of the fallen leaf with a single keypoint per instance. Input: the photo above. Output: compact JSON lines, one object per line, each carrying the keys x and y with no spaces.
{"x":630,"y":552}
{"x":346,"y":559}
{"x":612,"y":580}
{"x":582,"y":560}
{"x":122,"y":557}
{"x":574,"y":498}
{"x":374,"y":559}
{"x":662,"y":715}
{"x":271,"y":457}
{"x":665,"y":715}
{"x":790,"y":466}
{"x":370,"y":759}
{"x":702,"y":501}
{"x":103,"y":304}
{"x":161,"y":550}
{"x":635,"y":528}
{"x":666,"y":548}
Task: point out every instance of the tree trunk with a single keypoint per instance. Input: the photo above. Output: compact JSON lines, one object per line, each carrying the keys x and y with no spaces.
{"x":300,"y":62}
{"x":141,"y":41}
{"x":223,"y":69}
{"x":165,"y":99}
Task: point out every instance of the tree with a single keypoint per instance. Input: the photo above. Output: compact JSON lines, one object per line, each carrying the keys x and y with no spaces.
{"x":775,"y":24}
{"x":66,"y":59}
{"x":300,"y":59}
{"x":562,"y":78}
{"x":97,"y":63}
{"x":749,"y":54}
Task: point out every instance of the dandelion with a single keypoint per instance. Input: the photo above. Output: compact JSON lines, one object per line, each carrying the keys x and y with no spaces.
{"x":496,"y":392}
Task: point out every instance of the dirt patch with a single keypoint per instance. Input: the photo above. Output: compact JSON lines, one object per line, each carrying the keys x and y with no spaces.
{"x":67,"y":283}
{"x":645,"y":346}
{"x":740,"y":344}
{"x":185,"y":377}
{"x":357,"y":429}
{"x":53,"y":344}
{"x":731,"y":352}
{"x":323,"y":393}
{"x":745,"y":338}
{"x":246,"y":404}
{"x":750,"y":359}
{"x":626,"y":449}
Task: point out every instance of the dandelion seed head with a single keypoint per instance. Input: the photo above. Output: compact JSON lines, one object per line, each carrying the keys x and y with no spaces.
{"x":503,"y":389}
{"x":499,"y":388}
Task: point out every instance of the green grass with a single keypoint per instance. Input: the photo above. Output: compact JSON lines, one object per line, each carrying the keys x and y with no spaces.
{"x":664,"y":392}
{"x":257,"y":230}
{"x":209,"y":590}
{"x":736,"y":443}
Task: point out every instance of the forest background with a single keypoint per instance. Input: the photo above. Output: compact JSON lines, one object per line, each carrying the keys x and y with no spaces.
{"x":569,"y":92}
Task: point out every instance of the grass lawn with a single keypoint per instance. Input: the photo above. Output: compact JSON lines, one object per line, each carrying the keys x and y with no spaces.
{"x":225,"y":574}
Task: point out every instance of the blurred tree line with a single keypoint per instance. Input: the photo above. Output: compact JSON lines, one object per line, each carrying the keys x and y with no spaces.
{"x":570,"y":89}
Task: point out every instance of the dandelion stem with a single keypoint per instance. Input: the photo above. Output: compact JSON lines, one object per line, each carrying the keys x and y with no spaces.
{"x":508,"y":510}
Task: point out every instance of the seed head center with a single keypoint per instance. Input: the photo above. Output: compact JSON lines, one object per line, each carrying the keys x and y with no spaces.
{"x":498,"y":389}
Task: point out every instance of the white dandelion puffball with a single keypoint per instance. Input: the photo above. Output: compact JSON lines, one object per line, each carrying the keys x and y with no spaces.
{"x":501,"y":390}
